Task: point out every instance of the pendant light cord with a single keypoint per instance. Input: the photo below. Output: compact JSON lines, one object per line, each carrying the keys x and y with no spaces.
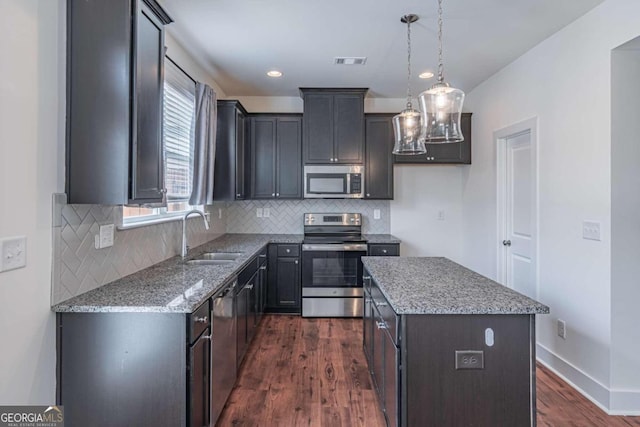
{"x":440,"y":64}
{"x":409,"y":106}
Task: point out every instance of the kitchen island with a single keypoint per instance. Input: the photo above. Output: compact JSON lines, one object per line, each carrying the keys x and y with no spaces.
{"x":447,"y":346}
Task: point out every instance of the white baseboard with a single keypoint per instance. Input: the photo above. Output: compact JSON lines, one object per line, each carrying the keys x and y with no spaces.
{"x":613,"y":402}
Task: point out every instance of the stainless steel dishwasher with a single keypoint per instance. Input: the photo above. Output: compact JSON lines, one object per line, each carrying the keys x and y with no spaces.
{"x":223,"y":348}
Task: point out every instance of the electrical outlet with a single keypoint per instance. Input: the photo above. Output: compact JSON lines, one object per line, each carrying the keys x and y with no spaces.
{"x":562,"y":329}
{"x":440,"y":215}
{"x":259,"y":212}
{"x":376,"y":214}
{"x":469,"y":359}
{"x":219,"y":213}
{"x":14,"y":253}
{"x":591,"y":230}
{"x":266,"y":213}
{"x":106,"y":235}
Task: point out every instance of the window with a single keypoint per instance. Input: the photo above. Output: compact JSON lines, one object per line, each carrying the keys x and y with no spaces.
{"x":178,"y":141}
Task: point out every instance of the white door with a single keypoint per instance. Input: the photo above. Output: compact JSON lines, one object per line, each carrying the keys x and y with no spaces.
{"x":519,"y":210}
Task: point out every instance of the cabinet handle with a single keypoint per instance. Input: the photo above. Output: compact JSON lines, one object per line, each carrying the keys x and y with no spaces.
{"x":381,"y":304}
{"x":368,"y":195}
{"x":206,"y":337}
{"x":249,"y":286}
{"x":201,"y":319}
{"x":366,"y":277}
{"x":295,"y":262}
{"x":381,"y":325}
{"x":288,"y":250}
{"x":264,"y":267}
{"x":277,"y":194}
{"x":238,"y":195}
{"x":384,"y":251}
{"x":273,"y":194}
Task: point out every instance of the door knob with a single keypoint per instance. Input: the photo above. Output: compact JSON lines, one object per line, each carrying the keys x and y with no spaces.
{"x":506,"y":242}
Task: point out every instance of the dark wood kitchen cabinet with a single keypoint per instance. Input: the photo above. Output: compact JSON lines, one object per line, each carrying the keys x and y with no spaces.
{"x":142,"y":369}
{"x":276,"y":156}
{"x":284,"y":285}
{"x":115,"y":73}
{"x":454,"y":153}
{"x":383,"y":249}
{"x":378,"y":171}
{"x":333,"y":126}
{"x":231,"y":164}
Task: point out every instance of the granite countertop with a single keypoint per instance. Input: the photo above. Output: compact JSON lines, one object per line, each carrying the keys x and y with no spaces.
{"x":172,"y":286}
{"x":381,"y":238}
{"x":440,"y":286}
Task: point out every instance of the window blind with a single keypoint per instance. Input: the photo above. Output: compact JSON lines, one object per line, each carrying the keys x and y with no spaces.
{"x":178,"y":138}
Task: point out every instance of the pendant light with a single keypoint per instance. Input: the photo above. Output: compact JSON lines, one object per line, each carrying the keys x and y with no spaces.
{"x":407,"y":125}
{"x":441,"y":104}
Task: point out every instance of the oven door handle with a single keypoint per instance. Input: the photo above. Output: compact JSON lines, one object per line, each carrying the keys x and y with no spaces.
{"x":335,"y":247}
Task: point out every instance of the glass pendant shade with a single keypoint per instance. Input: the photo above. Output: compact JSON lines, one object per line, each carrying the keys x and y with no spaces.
{"x":441,"y":107}
{"x":407,"y":127}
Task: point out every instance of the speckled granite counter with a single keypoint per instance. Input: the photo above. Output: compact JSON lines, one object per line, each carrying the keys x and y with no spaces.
{"x":173,"y":286}
{"x":440,"y":286}
{"x":381,"y":238}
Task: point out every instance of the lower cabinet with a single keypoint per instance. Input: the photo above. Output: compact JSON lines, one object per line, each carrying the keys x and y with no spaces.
{"x":284,"y":288}
{"x":137,"y":369}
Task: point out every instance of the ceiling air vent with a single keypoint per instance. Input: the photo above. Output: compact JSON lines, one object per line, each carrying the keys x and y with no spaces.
{"x":350,"y":60}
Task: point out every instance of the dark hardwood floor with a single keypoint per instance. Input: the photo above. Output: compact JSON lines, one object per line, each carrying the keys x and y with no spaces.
{"x":312,"y":372}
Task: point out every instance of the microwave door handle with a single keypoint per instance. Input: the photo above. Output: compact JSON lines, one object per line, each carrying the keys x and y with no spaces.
{"x":348,"y":189}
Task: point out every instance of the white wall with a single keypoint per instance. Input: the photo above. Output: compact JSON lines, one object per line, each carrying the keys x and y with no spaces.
{"x":565,"y":82}
{"x":625,"y":222}
{"x":31,"y":86}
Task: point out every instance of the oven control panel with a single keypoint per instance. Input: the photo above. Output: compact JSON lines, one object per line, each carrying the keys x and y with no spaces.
{"x":332,"y":219}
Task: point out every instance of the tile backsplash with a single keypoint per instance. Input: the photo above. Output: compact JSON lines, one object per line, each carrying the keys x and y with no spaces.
{"x":79,"y":267}
{"x":285,"y":216}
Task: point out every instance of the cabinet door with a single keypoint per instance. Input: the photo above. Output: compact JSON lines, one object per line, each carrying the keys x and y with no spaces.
{"x":252,"y":307}
{"x":454,"y":153}
{"x":289,"y":159}
{"x":367,"y":327}
{"x":288,"y":282}
{"x":378,"y":353}
{"x":379,"y":158}
{"x":391,"y":362}
{"x":348,"y":136}
{"x":199,"y":382}
{"x":263,"y":158}
{"x":147,"y":182}
{"x":241,"y":189}
{"x":318,"y":128}
{"x":242,"y":310}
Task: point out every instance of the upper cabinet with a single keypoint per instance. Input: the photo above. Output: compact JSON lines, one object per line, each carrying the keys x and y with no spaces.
{"x":115,"y":72}
{"x":276,"y":156}
{"x":454,"y":153}
{"x":333,"y":126}
{"x":231,"y":161}
{"x":378,"y":169}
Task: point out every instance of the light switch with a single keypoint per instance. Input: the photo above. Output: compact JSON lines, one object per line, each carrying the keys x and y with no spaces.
{"x":266,"y":213}
{"x":591,"y":230}
{"x":259,"y":212}
{"x":14,"y":253}
{"x":376,"y":214}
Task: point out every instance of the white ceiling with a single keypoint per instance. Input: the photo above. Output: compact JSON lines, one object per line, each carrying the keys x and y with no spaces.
{"x":240,"y":40}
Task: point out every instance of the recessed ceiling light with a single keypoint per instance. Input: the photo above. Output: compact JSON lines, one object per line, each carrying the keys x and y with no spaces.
{"x":274,"y":73}
{"x":426,"y":75}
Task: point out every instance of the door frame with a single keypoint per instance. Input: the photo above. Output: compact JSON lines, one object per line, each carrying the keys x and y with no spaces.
{"x":500,"y":137}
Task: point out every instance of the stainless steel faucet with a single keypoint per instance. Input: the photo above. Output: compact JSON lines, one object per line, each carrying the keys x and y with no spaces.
{"x":185,"y":248}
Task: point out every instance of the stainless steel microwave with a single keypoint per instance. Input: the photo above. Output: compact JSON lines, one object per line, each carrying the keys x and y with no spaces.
{"x":334,"y":182}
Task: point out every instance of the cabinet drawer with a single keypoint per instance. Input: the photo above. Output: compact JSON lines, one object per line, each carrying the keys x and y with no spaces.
{"x":288,"y":250}
{"x":199,"y":321}
{"x":391,"y":249}
{"x":386,"y":312}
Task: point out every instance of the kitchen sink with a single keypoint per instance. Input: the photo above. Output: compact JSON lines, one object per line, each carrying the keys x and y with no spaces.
{"x":200,"y":261}
{"x":221,"y":256}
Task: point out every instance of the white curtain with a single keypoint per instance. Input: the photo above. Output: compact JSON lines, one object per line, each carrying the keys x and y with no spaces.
{"x":204,"y":145}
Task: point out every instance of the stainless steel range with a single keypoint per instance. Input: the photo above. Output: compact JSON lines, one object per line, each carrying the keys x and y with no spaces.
{"x":331,"y":265}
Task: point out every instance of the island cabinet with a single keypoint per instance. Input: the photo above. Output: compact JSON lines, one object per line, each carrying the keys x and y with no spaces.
{"x":378,"y":172}
{"x":276,"y":156}
{"x":115,"y":74}
{"x":142,"y":369}
{"x":454,"y":153}
{"x":333,"y":126}
{"x":448,"y":355}
{"x":231,"y":163}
